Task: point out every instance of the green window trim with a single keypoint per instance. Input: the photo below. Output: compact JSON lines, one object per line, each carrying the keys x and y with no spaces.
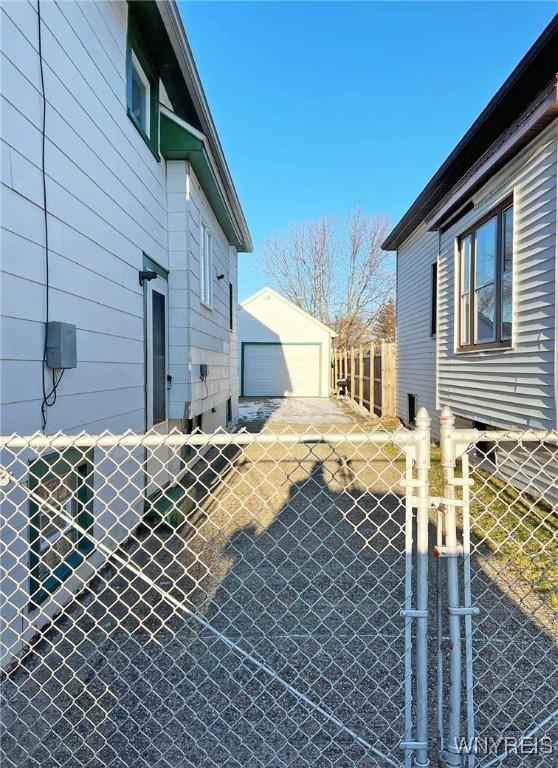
{"x":71,"y":461}
{"x":135,"y":45}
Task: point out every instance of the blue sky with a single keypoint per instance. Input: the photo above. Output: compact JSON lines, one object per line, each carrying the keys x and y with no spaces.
{"x":322,"y":107}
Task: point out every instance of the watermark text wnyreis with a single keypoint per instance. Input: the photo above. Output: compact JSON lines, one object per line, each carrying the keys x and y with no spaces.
{"x":504,"y":744}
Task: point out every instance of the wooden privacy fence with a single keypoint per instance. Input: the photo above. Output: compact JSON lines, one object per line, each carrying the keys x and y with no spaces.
{"x":370,"y":373}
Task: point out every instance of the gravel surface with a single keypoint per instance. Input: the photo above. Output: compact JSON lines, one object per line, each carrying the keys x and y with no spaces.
{"x":296,"y":557}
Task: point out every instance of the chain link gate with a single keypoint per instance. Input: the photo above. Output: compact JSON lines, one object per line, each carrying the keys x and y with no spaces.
{"x":497,"y":597}
{"x":262,"y":599}
{"x":228,"y":599}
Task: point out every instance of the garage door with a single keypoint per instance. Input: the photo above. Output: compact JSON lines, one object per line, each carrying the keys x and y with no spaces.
{"x":278,"y":370}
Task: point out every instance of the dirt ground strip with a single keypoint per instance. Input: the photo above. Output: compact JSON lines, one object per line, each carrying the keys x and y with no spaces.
{"x":285,"y":589}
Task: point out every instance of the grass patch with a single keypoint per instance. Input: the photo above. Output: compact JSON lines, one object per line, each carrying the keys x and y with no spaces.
{"x":519,"y":530}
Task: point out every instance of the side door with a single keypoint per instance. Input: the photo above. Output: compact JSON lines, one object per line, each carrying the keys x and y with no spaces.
{"x":157,"y":381}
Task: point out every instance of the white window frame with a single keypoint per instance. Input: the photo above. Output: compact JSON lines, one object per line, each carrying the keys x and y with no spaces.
{"x":206,"y":267}
{"x":145,"y":81}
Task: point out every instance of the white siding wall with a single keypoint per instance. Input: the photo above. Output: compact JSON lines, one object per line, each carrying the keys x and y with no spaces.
{"x":106,"y":200}
{"x":179,"y":283}
{"x":416,"y":348}
{"x":515,"y":387}
{"x":106,"y":203}
{"x":211,"y":340}
{"x":234,"y":350}
{"x":275,"y":320}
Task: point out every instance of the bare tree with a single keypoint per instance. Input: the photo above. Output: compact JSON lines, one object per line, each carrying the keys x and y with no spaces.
{"x":383,"y":324}
{"x":334,"y":270}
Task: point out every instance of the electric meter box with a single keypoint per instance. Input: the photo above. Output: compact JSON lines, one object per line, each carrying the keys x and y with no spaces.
{"x":61,"y":345}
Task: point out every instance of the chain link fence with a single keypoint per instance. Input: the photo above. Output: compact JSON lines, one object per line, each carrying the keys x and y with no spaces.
{"x":498,"y":597}
{"x":231,"y":599}
{"x":263,"y":599}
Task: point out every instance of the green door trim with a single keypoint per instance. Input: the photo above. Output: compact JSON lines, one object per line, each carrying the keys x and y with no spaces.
{"x":163,"y":273}
{"x":244,"y":344}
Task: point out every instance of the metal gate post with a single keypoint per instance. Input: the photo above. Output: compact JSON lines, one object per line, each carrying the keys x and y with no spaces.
{"x":422,"y":423}
{"x":451,"y":552}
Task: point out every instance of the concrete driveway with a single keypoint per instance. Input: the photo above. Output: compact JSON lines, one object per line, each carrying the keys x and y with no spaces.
{"x":306,"y":412}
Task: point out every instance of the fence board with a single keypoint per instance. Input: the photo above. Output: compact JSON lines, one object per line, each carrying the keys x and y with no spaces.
{"x":371,"y":376}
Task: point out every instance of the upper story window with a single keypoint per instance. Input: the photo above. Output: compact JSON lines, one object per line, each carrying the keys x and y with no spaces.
{"x":142,"y":88}
{"x":485,"y":281}
{"x":140,"y":97}
{"x":206,"y":267}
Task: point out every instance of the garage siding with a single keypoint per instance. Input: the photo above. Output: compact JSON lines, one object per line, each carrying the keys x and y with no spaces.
{"x":280,"y":370}
{"x":267,"y":318}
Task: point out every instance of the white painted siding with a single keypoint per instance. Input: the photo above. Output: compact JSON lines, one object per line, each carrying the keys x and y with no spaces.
{"x":280,"y":370}
{"x":512,"y":388}
{"x":267,"y":317}
{"x":109,"y":202}
{"x":416,"y":347}
{"x":106,"y":201}
{"x":211,"y":340}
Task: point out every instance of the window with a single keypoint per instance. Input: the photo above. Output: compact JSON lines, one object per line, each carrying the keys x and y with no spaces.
{"x":433,"y":298}
{"x":142,"y":86}
{"x":140,"y":96}
{"x":485,"y":281}
{"x":188,"y":451}
{"x":229,"y":411}
{"x":65,"y":481}
{"x":231,"y":307}
{"x":411,"y":409}
{"x":205,"y":266}
{"x":485,"y":449}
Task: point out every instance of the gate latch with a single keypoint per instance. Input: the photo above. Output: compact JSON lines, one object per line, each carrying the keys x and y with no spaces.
{"x":436,"y":502}
{"x":440,"y":551}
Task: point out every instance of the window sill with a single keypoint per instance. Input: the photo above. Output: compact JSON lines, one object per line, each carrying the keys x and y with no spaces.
{"x":498,"y":346}
{"x":144,"y":136}
{"x":206,"y":305}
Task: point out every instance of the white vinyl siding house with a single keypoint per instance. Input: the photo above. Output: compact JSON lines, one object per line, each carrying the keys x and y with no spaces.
{"x":416,"y":345}
{"x":284,"y":352}
{"x":493,"y":358}
{"x":111,"y":203}
{"x":511,"y":387}
{"x":128,"y":183}
{"x":199,"y":331}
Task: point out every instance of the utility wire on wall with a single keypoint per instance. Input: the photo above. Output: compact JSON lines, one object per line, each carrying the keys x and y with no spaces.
{"x":49,"y":396}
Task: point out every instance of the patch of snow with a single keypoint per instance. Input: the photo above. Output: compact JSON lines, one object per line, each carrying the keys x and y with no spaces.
{"x":310,"y":411}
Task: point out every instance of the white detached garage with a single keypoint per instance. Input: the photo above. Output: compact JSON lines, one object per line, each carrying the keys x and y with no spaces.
{"x":283,"y":351}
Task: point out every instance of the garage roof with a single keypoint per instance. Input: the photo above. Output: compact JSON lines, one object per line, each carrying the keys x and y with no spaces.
{"x":290,"y":304}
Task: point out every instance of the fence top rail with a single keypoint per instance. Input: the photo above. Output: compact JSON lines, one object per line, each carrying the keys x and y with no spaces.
{"x":176,"y":439}
{"x":506,"y":435}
